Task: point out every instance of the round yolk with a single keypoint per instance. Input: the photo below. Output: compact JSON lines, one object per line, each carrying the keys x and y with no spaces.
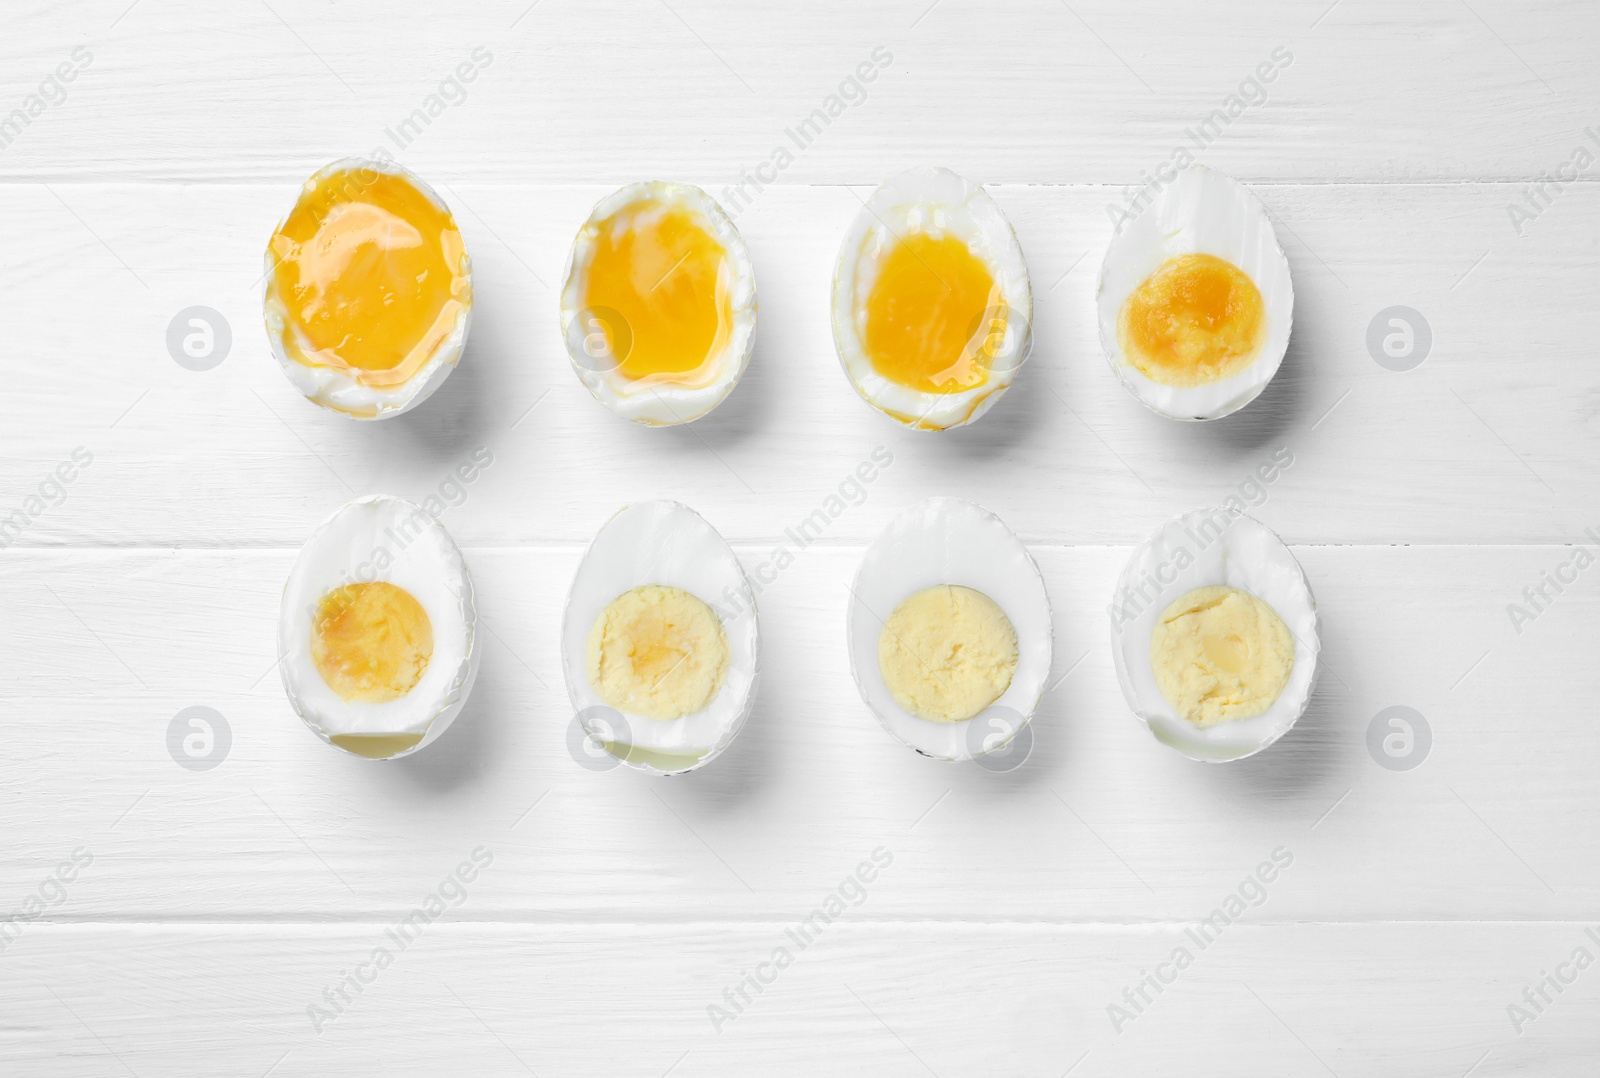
{"x":659,"y":288}
{"x":657,"y":651}
{"x":1197,"y":319}
{"x":947,"y":652}
{"x":371,"y":274}
{"x":371,"y":642}
{"x":935,"y":316}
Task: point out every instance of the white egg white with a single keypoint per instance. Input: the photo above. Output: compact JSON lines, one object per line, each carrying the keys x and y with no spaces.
{"x":1201,"y":212}
{"x":1199,"y":548}
{"x":665,"y":543}
{"x":335,"y":389}
{"x":650,"y":402}
{"x":940,"y":203}
{"x":950,"y":541}
{"x":382,"y":538}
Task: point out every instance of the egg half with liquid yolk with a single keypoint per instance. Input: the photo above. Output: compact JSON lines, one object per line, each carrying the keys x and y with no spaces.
{"x":1195,"y":300}
{"x":1214,"y":633}
{"x":660,"y":641}
{"x":378,"y":629}
{"x":368,"y":290}
{"x":658,"y":308}
{"x":949,"y":630}
{"x":932,"y":308}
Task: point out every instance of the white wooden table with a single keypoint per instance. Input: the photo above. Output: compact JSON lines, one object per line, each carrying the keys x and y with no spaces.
{"x":208,"y":910}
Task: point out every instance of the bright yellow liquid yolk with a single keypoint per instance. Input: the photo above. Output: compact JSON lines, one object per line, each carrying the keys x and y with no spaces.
{"x":371,"y":642}
{"x":370,"y":273}
{"x":934,"y":317}
{"x":668,"y":279}
{"x":1197,"y":319}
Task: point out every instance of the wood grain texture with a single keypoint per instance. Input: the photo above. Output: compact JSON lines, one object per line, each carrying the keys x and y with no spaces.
{"x":209,"y":910}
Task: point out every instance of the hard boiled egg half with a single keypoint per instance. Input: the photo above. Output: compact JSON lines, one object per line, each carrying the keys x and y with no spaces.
{"x":368,"y":290}
{"x":949,"y":630}
{"x":932,"y":309}
{"x":1214,"y":632}
{"x":1195,"y":301}
{"x":659,"y":305}
{"x":660,"y":641}
{"x":377,"y":633}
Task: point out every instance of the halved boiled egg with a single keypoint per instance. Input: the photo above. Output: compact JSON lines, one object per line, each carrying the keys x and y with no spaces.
{"x":660,"y":641}
{"x":1214,"y":632}
{"x":1195,"y":300}
{"x":932,"y":309}
{"x":378,"y":628}
{"x":949,"y":630}
{"x":368,"y":290}
{"x":659,"y":305}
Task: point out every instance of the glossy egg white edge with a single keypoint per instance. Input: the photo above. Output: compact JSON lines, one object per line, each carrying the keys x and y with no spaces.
{"x":667,"y":543}
{"x":936,"y":201}
{"x":641,"y":401}
{"x":1202,"y":212}
{"x":332,"y":388}
{"x":1198,"y":548}
{"x":381,"y":537}
{"x":950,"y":541}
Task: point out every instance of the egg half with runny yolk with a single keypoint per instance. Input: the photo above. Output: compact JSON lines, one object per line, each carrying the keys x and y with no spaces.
{"x":932,"y":308}
{"x":368,"y":294}
{"x":658,"y":308}
{"x":1195,"y":299}
{"x":378,"y":629}
{"x":1214,"y":633}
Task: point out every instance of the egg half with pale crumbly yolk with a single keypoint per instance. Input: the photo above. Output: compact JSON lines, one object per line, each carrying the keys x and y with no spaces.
{"x":1195,"y":300}
{"x":378,"y":629}
{"x":368,"y":290}
{"x":932,"y":308}
{"x":658,"y":308}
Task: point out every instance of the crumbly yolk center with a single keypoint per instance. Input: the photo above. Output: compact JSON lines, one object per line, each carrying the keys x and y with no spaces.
{"x":935,"y":317}
{"x":371,"y":642}
{"x":1220,"y":654}
{"x":659,"y":287}
{"x":657,"y":651}
{"x":371,"y":274}
{"x":947,"y":652}
{"x":1196,"y":319}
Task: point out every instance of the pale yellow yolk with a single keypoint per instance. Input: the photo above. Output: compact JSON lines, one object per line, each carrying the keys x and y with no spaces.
{"x":947,"y":652}
{"x":666,"y":279}
{"x":935,"y":316}
{"x":658,"y":652}
{"x":371,"y":275}
{"x":371,"y":642}
{"x":1220,"y":654}
{"x":1197,"y":319}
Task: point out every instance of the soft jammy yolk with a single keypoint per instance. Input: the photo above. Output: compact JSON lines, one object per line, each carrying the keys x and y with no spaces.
{"x":1195,"y":320}
{"x":371,"y":642}
{"x":664,"y":275}
{"x":933,"y":316}
{"x":370,"y":273}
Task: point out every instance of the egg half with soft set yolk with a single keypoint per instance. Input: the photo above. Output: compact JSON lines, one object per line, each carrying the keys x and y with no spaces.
{"x":368,"y":294}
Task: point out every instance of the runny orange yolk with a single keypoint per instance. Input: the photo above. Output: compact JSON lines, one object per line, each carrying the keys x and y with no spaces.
{"x":659,"y":287}
{"x":371,"y":642}
{"x":1195,"y":320}
{"x":371,"y":274}
{"x":935,"y":316}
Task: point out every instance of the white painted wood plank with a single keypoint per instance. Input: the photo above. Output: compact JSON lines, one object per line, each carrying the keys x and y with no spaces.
{"x":1101,"y":824}
{"x":1400,"y":1000}
{"x":1024,"y":91}
{"x":1490,"y":440}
